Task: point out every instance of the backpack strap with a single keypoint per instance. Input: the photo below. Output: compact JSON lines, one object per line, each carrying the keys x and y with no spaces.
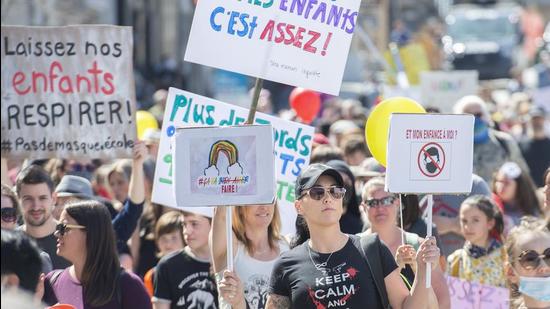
{"x":504,"y":145}
{"x":369,"y":247}
{"x":55,"y":276}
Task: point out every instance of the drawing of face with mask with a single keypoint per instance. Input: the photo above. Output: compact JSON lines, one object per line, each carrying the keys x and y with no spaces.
{"x":433,"y":163}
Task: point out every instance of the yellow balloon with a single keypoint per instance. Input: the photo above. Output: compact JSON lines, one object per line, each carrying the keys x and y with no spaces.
{"x":145,"y":120}
{"x":378,"y":123}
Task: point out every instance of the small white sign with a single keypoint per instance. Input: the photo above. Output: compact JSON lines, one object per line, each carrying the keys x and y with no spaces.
{"x":217,"y":166}
{"x":300,"y":43}
{"x":442,"y":89}
{"x":430,"y":153}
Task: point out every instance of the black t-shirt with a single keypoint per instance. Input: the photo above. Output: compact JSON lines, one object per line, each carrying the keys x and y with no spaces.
{"x":346,"y":281}
{"x":49,"y":245}
{"x":185,"y":282}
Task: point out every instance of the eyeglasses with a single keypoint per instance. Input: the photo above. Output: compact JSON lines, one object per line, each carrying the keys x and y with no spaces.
{"x":317,"y":193}
{"x":62,"y":228}
{"x":385,"y":201}
{"x":531,"y":259}
{"x":9,"y":214}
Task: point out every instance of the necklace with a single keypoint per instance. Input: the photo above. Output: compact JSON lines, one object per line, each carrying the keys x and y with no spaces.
{"x":319,"y":266}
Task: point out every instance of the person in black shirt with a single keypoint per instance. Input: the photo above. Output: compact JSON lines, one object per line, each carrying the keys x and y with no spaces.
{"x":329,"y":271}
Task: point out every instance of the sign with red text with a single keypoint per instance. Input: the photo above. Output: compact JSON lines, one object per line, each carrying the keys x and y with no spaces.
{"x":430,"y":153}
{"x":217,"y":166}
{"x":472,"y":295}
{"x":442,"y":89}
{"x":295,"y":42}
{"x":67,"y":92}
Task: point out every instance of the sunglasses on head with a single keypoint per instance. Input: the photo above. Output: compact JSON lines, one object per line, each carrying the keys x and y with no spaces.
{"x":531,"y":259}
{"x":62,"y":228}
{"x":9,"y":214}
{"x":317,"y":193}
{"x":385,"y":201}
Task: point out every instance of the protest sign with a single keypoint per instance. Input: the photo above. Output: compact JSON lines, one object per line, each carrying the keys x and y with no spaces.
{"x":300,"y":43}
{"x":429,"y":153}
{"x":67,"y":92}
{"x":292,"y":147}
{"x":442,"y":89}
{"x":224,"y":166}
{"x":472,"y":295}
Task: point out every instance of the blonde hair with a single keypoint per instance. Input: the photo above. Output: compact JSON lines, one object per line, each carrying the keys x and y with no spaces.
{"x":528,"y":225}
{"x":376,"y":182}
{"x":273,"y":230}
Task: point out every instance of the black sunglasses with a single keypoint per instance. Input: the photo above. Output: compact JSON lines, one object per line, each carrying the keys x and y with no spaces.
{"x":62,"y":228}
{"x":385,"y":201}
{"x":531,"y":259}
{"x":78,"y":167}
{"x":9,"y":214}
{"x":317,"y":193}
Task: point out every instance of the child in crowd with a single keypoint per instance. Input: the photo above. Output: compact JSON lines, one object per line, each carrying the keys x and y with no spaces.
{"x":482,"y":257}
{"x":528,"y":266}
{"x":183,"y":279}
{"x":168,"y":238}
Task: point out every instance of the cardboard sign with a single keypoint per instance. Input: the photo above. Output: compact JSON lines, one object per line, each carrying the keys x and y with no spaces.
{"x":430,"y":153}
{"x":294,"y":42}
{"x":67,"y":92}
{"x":292,"y":147}
{"x":442,"y":89}
{"x":472,"y":295}
{"x":224,"y":166}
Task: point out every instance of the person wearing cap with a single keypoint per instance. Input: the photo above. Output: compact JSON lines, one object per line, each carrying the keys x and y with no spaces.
{"x":329,"y":268}
{"x":515,"y":194}
{"x":536,"y":146}
{"x":492,"y":148}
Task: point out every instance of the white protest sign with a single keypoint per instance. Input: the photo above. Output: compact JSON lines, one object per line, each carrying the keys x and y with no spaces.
{"x":67,"y":92}
{"x":430,"y":153}
{"x":472,"y":295}
{"x":292,"y":147}
{"x":300,"y":43}
{"x":442,"y":89}
{"x":224,"y":166}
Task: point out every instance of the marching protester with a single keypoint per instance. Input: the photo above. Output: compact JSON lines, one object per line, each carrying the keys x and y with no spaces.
{"x":515,"y":194}
{"x":10,"y":208}
{"x":257,"y":244}
{"x":382,"y":209}
{"x":183,"y":279}
{"x":528,"y":264}
{"x":336,"y":269}
{"x":482,"y":258}
{"x":35,"y":190}
{"x":168,"y":238}
{"x":351,"y":219}
{"x":95,"y":279}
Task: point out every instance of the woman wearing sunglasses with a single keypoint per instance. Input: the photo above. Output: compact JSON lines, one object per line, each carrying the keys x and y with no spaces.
{"x":86,"y":238}
{"x":528,"y":266}
{"x":10,"y":208}
{"x":329,"y":270}
{"x":381,"y":209}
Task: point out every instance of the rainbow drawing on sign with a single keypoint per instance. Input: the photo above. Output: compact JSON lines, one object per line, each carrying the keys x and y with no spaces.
{"x":216,"y":175}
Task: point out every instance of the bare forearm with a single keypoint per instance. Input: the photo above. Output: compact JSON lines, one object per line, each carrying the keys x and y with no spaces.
{"x":136,"y":191}
{"x":218,"y":237}
{"x":419,"y":293}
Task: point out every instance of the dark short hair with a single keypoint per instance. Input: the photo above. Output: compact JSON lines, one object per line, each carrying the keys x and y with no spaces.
{"x":33,"y":175}
{"x":21,"y":257}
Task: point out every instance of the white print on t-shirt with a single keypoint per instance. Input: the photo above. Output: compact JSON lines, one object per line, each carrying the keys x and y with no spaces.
{"x":256,"y":291}
{"x":201,"y":297}
{"x":335,"y":289}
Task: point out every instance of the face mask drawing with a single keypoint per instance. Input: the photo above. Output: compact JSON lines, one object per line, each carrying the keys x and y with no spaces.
{"x":430,"y":165}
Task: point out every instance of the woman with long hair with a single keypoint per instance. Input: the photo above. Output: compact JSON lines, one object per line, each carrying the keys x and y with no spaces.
{"x":257,"y":243}
{"x":528,"y":266}
{"x":381,"y":209}
{"x":86,"y":238}
{"x":515,"y":194}
{"x":333,"y":269}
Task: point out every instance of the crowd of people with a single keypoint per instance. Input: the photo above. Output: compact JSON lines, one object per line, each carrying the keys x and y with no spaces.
{"x":86,"y":233}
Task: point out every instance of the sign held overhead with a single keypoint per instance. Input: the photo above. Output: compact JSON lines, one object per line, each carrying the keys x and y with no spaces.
{"x":430,"y":153}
